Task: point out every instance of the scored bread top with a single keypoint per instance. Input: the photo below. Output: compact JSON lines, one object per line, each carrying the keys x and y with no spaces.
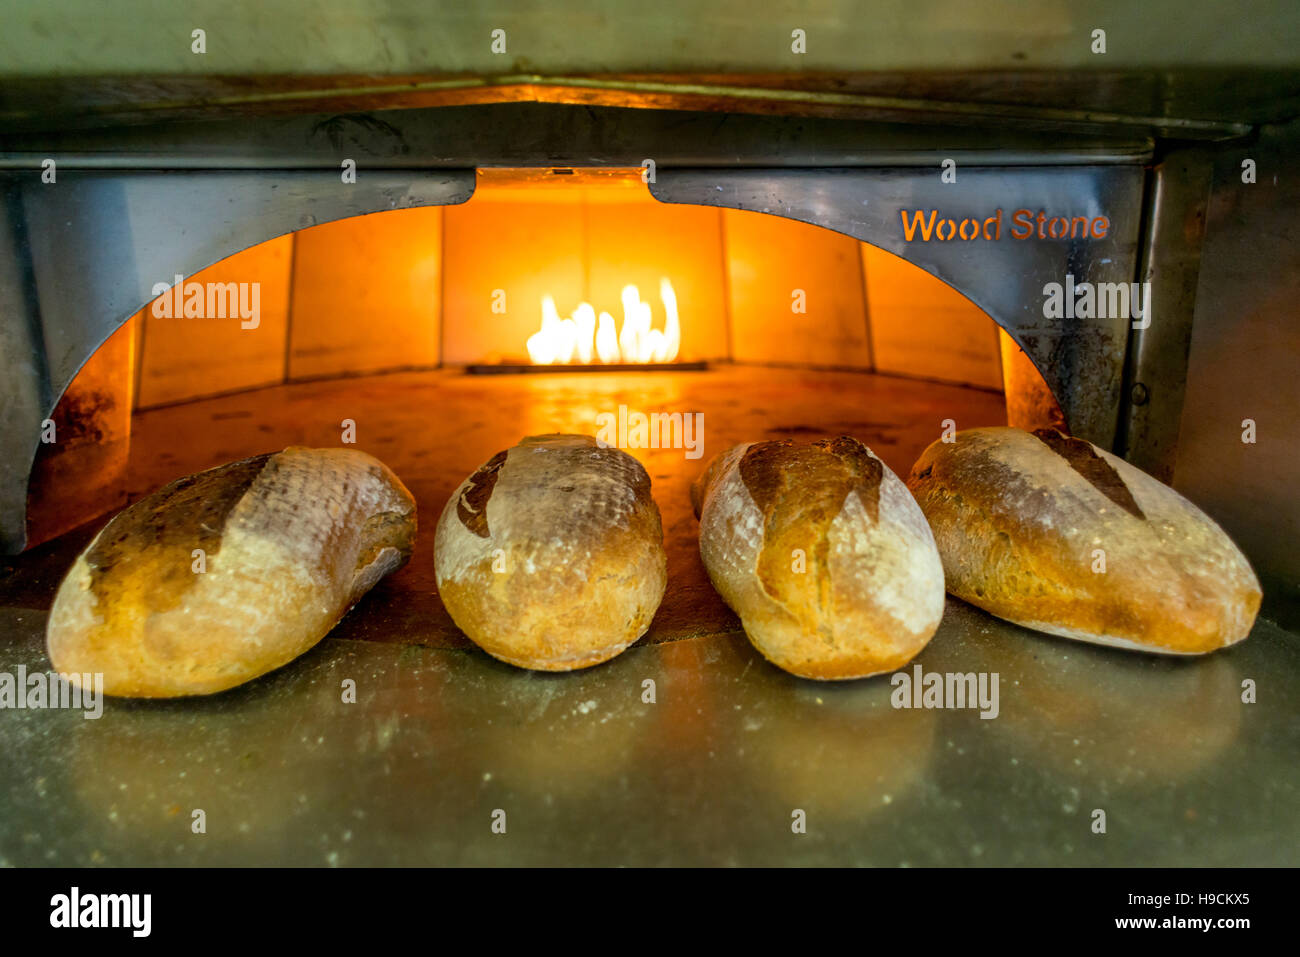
{"x":163,"y":529}
{"x":550,"y":555}
{"x":1022,"y":519}
{"x":552,"y":494}
{"x":822,"y":552}
{"x":276,"y":496}
{"x":289,"y":542}
{"x":798,"y":491}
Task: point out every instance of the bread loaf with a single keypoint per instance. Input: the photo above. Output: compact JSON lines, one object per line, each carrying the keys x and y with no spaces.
{"x":550,"y":556}
{"x":822,"y":553}
{"x":1052,"y":533}
{"x":228,"y":574}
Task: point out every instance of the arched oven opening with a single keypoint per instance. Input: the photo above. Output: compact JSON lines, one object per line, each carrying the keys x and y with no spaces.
{"x":434,"y":337}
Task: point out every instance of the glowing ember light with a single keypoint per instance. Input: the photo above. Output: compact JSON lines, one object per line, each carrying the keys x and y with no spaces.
{"x":583,"y":337}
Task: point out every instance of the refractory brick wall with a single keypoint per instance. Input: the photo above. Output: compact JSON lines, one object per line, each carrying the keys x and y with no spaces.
{"x":422,"y":287}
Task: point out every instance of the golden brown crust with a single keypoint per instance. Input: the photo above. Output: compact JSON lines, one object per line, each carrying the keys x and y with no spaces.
{"x":571,"y":569}
{"x":289,"y":542}
{"x":170,"y":523}
{"x":823,"y":554}
{"x":799,"y":491}
{"x":1079,"y":543}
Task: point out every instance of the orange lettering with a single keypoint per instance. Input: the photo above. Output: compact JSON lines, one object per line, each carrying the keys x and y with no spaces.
{"x":909,"y":229}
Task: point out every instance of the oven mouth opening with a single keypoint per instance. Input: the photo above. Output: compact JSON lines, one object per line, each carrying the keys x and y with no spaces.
{"x":373,"y":332}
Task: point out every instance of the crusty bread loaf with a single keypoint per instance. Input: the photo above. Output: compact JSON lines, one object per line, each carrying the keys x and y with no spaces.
{"x":1055,"y":534}
{"x":822,"y":553}
{"x":550,"y":556}
{"x":290,"y":541}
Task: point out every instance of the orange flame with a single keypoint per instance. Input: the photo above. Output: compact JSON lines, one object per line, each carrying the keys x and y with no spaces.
{"x":584,"y":336}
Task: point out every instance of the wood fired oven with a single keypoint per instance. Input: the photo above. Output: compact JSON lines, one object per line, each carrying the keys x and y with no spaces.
{"x":884,"y":258}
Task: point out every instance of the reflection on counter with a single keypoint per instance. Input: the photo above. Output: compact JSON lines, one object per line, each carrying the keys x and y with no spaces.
{"x":1143,"y":719}
{"x":695,"y":751}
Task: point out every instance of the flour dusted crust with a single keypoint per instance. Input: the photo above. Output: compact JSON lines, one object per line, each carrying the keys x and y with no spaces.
{"x":870,"y":593}
{"x":290,"y":542}
{"x":550,"y":556}
{"x":1022,"y":519}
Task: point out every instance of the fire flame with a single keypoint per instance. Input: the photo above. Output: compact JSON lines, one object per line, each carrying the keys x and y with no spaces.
{"x":583,"y":336}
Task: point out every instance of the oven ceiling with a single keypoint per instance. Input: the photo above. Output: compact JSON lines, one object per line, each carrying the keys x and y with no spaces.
{"x":1200,"y":73}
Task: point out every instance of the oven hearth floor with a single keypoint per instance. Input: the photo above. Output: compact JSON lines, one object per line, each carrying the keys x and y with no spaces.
{"x":435,"y":428}
{"x":441,"y":736}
